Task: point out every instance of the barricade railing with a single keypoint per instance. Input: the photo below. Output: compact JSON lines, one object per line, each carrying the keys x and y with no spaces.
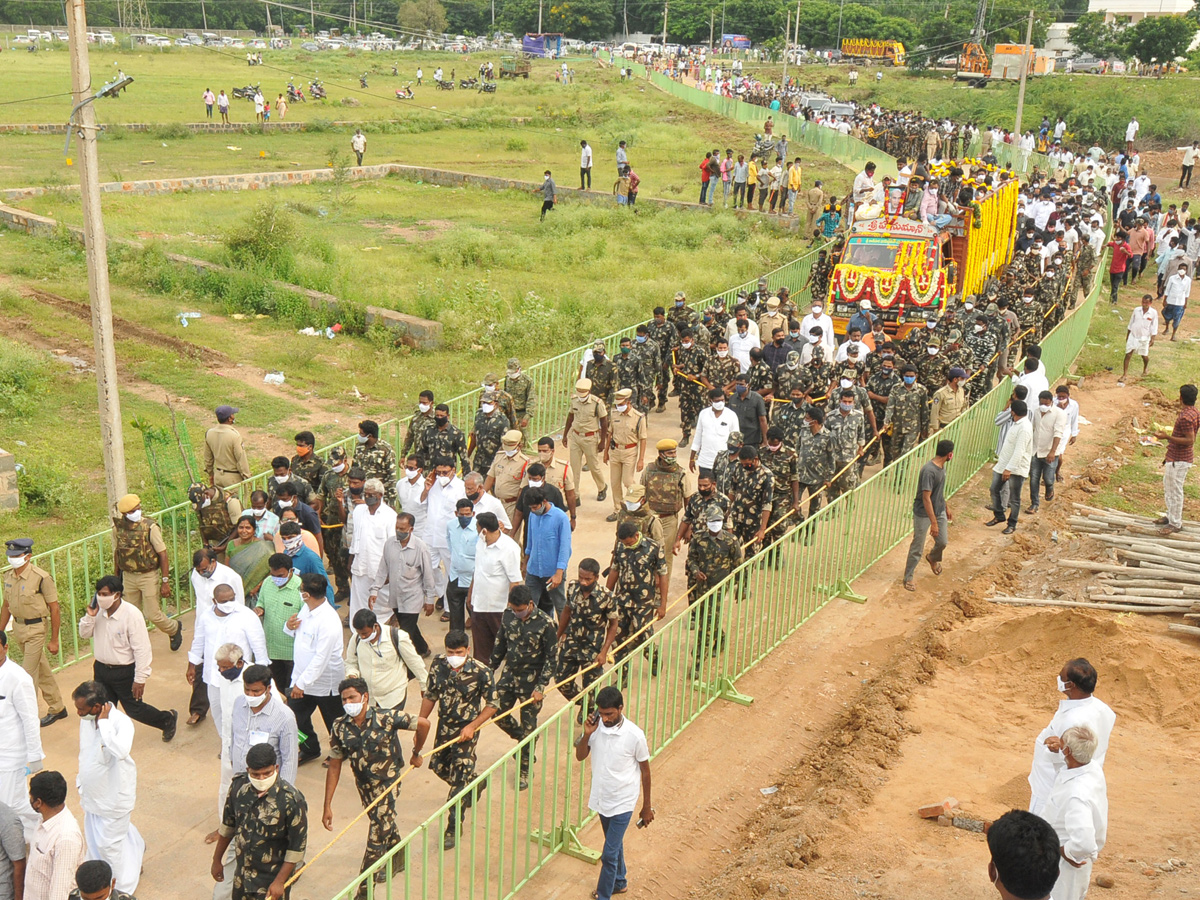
{"x":693,"y":659}
{"x":76,"y":566}
{"x":1011,"y":155}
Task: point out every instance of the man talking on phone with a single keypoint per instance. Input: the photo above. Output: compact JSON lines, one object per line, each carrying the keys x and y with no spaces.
{"x":620,"y":763}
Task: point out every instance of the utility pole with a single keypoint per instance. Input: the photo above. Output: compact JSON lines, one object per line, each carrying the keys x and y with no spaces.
{"x":666,"y":3}
{"x":712,"y":19}
{"x":797,"y":40}
{"x":539,"y":16}
{"x":841,"y":7}
{"x":112,"y":441}
{"x":722,"y":26}
{"x":204,"y":15}
{"x":312,"y":18}
{"x":1024,"y":71}
{"x":787,"y":29}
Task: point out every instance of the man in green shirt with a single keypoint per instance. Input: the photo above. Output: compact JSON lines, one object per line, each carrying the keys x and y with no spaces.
{"x":279,"y":600}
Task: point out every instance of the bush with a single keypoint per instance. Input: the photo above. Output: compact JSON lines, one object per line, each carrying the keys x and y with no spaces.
{"x":24,"y":377}
{"x":516,"y":145}
{"x":44,"y":489}
{"x":265,"y":240}
{"x":171,"y":131}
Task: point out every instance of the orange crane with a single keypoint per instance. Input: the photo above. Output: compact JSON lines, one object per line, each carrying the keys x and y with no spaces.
{"x":973,"y":62}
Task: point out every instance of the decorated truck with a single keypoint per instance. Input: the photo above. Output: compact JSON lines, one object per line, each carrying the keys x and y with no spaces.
{"x":909,"y":269}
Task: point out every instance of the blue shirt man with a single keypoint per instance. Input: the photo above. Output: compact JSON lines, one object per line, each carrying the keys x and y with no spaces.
{"x":304,"y":560}
{"x":547,"y":551}
{"x":462,"y":535}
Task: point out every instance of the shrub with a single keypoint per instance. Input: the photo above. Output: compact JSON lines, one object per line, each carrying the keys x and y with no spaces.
{"x":44,"y":489}
{"x":24,"y":376}
{"x":170,"y":131}
{"x":265,"y":240}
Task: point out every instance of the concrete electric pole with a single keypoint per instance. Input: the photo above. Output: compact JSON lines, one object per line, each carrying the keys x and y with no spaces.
{"x":1024,"y":72}
{"x":112,"y":439}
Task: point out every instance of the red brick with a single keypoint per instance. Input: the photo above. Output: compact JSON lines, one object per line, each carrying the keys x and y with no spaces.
{"x":932,"y":811}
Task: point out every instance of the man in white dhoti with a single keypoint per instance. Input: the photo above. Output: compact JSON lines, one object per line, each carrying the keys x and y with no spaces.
{"x":374,"y":523}
{"x":20,"y":739}
{"x":107,"y":784}
{"x":1077,"y":810}
{"x":1077,"y":680}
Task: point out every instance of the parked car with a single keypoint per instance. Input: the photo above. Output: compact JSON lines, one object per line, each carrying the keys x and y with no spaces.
{"x":310,"y":47}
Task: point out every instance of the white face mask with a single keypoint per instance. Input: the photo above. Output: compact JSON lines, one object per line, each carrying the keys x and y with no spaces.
{"x":281,"y":479}
{"x":135,"y":516}
{"x":487,"y":407}
{"x":536,"y":482}
{"x":845,"y":383}
{"x":424,"y":407}
{"x":207,"y":503}
{"x":978,"y":329}
{"x":262,"y":785}
{"x":1045,"y":409}
{"x":106,"y":601}
{"x":715,"y":527}
{"x":632,"y":505}
{"x":511,"y":453}
{"x":339,"y":468}
{"x":443,"y":480}
{"x":816,"y":310}
{"x":932,"y":351}
{"x":456,"y":662}
{"x":256,"y":702}
{"x":687,"y":345}
{"x":285,"y":504}
{"x":722,"y":353}
{"x":718,"y":406}
{"x":814,"y":339}
{"x":1060,"y":684}
{"x":362,"y":438}
{"x":352,"y":709}
{"x":258,"y":513}
{"x":931,"y":325}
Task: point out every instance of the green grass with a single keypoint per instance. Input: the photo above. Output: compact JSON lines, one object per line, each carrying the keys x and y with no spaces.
{"x":524,"y":128}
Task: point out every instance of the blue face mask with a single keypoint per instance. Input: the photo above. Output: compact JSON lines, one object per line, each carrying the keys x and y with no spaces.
{"x":909,"y":379}
{"x":465,"y":521}
{"x":641,"y":338}
{"x":741,"y":388}
{"x":280,"y":580}
{"x":231,"y":674}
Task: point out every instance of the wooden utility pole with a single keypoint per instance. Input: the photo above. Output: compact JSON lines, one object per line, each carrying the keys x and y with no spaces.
{"x":797,"y":40}
{"x":112,"y":440}
{"x":1024,"y":71}
{"x":787,"y":29}
{"x":540,"y":18}
{"x":666,"y":3}
{"x":312,"y":18}
{"x":712,"y":20}
{"x":204,"y":15}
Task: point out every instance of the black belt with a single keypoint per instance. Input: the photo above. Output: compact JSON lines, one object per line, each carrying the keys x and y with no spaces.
{"x":36,"y":621}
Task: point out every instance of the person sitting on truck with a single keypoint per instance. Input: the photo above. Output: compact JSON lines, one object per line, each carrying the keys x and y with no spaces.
{"x":930,"y":207}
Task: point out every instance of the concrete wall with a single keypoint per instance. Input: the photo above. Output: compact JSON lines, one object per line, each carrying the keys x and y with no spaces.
{"x":9,"y":498}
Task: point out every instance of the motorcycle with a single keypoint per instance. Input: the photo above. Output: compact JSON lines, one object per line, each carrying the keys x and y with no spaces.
{"x":246,"y":93}
{"x":395,"y":72}
{"x":467,"y":83}
{"x":406,"y":92}
{"x":444,"y":85}
{"x":294,"y":95}
{"x":763,"y":146}
{"x":362,"y":80}
{"x":487,"y":87}
{"x":316,"y":90}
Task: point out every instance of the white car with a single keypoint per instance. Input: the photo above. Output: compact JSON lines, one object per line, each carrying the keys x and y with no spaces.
{"x":258,"y":44}
{"x":310,"y":47}
{"x":107,"y":38}
{"x":61,"y":36}
{"x":183,"y":42}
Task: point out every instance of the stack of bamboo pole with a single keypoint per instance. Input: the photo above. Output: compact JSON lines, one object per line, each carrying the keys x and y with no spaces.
{"x":1154,"y":575}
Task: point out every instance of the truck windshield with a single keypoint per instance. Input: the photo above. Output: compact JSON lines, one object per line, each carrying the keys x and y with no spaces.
{"x":878,"y":252}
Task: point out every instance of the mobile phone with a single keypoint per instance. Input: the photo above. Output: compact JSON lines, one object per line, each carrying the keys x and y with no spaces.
{"x":593,"y":718}
{"x":95,"y":604}
{"x":641,"y":823}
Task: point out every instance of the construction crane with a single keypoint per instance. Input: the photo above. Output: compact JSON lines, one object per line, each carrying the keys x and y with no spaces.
{"x":973,"y":63}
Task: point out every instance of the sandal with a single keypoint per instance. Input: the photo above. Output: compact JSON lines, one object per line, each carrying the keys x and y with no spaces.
{"x":936,"y":566}
{"x":909,"y":586}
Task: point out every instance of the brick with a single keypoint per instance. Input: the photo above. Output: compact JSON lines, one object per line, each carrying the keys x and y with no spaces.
{"x":932,"y":811}
{"x":950,"y":803}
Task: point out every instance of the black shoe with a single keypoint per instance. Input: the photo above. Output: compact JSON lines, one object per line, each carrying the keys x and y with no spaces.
{"x":996,"y":520}
{"x":1050,"y":497}
{"x":1010,"y":529}
{"x":1162,"y":520}
{"x":307,"y":756}
{"x":177,"y":638}
{"x":523,"y":782}
{"x":662,"y":407}
{"x":51,"y":718}
{"x":169,"y":731}
{"x":448,"y":839}
{"x":602,"y":496}
{"x":612,"y":517}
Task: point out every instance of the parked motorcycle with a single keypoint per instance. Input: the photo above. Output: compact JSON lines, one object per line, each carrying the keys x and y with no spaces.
{"x":294,"y":95}
{"x":362,"y":80}
{"x":444,"y":85}
{"x":487,"y":87}
{"x":316,"y":90}
{"x":246,"y":93}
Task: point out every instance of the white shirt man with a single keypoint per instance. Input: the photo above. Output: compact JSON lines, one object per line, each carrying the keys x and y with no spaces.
{"x":58,"y":849}
{"x":713,"y":427}
{"x":497,"y":566}
{"x":1035,"y":381}
{"x":203,"y":586}
{"x":1049,"y":422}
{"x":1089,"y":710}
{"x":263,"y":718}
{"x":1060,"y":129}
{"x":585,"y":157}
{"x":843,"y":351}
{"x":440,"y":504}
{"x":1143,"y":325}
{"x":408,"y":498}
{"x":1016,"y":453}
{"x":226,"y":623}
{"x":1077,"y":810}
{"x":1070,"y":406}
{"x":107,"y":784}
{"x":751,"y":328}
{"x":318,"y":650}
{"x":1041,"y":211}
{"x":864,"y":185}
{"x":1178,"y":287}
{"x":818,"y":317}
{"x":371,"y":532}
{"x":1131,"y":131}
{"x":740,"y":346}
{"x":486,"y":501}
{"x":20,"y":742}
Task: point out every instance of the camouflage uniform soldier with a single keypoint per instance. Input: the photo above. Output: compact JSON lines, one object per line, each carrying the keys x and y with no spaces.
{"x":646,"y":349}
{"x":460,"y":686}
{"x":907,"y":412}
{"x":932,"y":369}
{"x":377,"y":458}
{"x":693,"y":513}
{"x":818,"y":278}
{"x":666,"y":488}
{"x":724,"y":463}
{"x":691,"y":369}
{"x":759,"y":376}
{"x":712,"y":556}
{"x":662,"y":333}
{"x":880,"y":385}
{"x":847,"y":427}
{"x":369,"y":738}
{"x":751,"y":490}
{"x":422,"y":420}
{"x":1031,"y":315}
{"x":269,"y":830}
{"x":587,"y":628}
{"x":781,"y":460}
{"x":816,"y":460}
{"x":527,"y":640}
{"x":443,"y":439}
{"x":723,"y":368}
{"x":306,"y":464}
{"x":983,"y":343}
{"x":681,"y":315}
{"x":504,"y":400}
{"x":332,"y":492}
{"x":602,"y":373}
{"x":490,"y":427}
{"x":628,"y":372}
{"x":524,"y":395}
{"x":635,"y":510}
{"x":914,"y":343}
{"x":820,"y":374}
{"x":789,"y":375}
{"x":790,"y":417}
{"x":638,"y":580}
{"x":957,"y":355}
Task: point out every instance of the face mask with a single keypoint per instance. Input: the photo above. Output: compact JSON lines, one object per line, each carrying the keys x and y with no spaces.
{"x":846,"y":407}
{"x":90,"y":717}
{"x":106,"y":602}
{"x":794,"y":334}
{"x":718,"y":406}
{"x":536,"y":482}
{"x":1063,"y":403}
{"x":292,"y":545}
{"x":741,"y":388}
{"x":845,"y":383}
{"x":816,"y":310}
{"x":546,"y":455}
{"x":282,"y":479}
{"x":722,"y":353}
{"x":464,"y":521}
{"x":281,"y":580}
{"x":678,"y":304}
{"x":1027,"y":299}
{"x":424,"y":407}
{"x":362,"y":439}
{"x":715,"y":527}
{"x":626,"y":350}
{"x":931,"y":325}
{"x":231,"y":674}
{"x":511,"y":453}
{"x":207,"y":503}
{"x":356,"y":492}
{"x":774,"y":446}
{"x":932,"y":351}
{"x":440,"y":420}
{"x":258,"y":513}
{"x":373,"y":501}
{"x":285,"y":504}
{"x":339,"y":468}
{"x":621,"y":407}
{"x":909,"y":379}
{"x":687,"y":345}
{"x":262,"y":785}
{"x":814,"y":339}
{"x":256,"y":702}
{"x":403,"y":536}
{"x":487,"y":407}
{"x":1060,"y":684}
{"x":456,"y":662}
{"x":135,"y":516}
{"x":352,"y":709}
{"x":18,"y":562}
{"x":1045,"y":409}
{"x":978,"y":329}
{"x":523,"y":614}
{"x":641,"y":338}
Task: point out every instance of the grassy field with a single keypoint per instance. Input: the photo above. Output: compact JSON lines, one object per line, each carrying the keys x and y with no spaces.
{"x":524,"y":128}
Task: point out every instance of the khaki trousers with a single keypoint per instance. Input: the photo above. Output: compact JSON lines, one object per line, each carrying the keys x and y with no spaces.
{"x":587,"y":447}
{"x":142,"y":590}
{"x":35,"y":661}
{"x":227,"y":480}
{"x":622,"y":465}
{"x":670,"y":527}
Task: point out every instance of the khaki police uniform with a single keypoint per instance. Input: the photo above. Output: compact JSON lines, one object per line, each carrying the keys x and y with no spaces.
{"x":136,"y":546}
{"x":628,"y":431}
{"x":225,"y":462}
{"x":584,"y":437}
{"x":28,"y":597}
{"x":506,"y":476}
{"x":768,"y":322}
{"x":558,"y":473}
